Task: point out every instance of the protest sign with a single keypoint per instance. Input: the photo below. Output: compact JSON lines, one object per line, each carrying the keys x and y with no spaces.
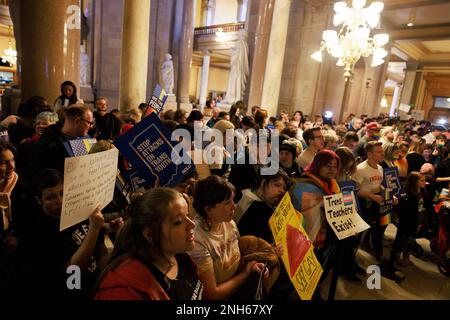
{"x":418,"y":114}
{"x":148,"y":147}
{"x":157,"y":101}
{"x":404,"y":107}
{"x":387,"y":205}
{"x":349,"y":186}
{"x":342,"y":216}
{"x":136,"y":182}
{"x":298,"y":257}
{"x":81,"y":147}
{"x":392,"y":181}
{"x":89,"y":182}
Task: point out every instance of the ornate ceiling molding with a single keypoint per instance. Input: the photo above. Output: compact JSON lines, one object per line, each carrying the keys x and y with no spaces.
{"x":318,"y":4}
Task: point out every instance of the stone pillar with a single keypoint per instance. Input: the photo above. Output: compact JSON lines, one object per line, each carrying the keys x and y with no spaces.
{"x":134,"y":60}
{"x":208,"y":12}
{"x":275,"y":56}
{"x":204,"y":83}
{"x":185,"y":57}
{"x":258,"y":51}
{"x":408,"y":83}
{"x":198,"y":83}
{"x":242,"y":10}
{"x":395,"y":100}
{"x":50,"y":44}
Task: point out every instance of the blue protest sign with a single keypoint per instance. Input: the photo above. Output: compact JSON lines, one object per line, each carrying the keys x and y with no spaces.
{"x":157,"y":100}
{"x":147,"y":146}
{"x":391,"y":181}
{"x":387,"y":206}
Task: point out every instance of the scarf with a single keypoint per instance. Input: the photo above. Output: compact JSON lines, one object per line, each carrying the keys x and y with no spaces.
{"x":328,"y":188}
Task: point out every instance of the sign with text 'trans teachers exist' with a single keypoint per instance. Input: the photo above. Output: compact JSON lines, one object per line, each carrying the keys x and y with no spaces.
{"x":89,"y":182}
{"x":342,"y":216}
{"x":298,"y":257}
{"x":148,"y":147}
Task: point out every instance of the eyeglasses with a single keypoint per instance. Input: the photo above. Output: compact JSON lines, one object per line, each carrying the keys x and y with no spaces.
{"x":90,"y":123}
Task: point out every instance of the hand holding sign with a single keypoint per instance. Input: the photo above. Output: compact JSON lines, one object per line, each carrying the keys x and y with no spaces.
{"x":89,"y":182}
{"x":96,"y":220}
{"x":298,"y":257}
{"x":341,"y":214}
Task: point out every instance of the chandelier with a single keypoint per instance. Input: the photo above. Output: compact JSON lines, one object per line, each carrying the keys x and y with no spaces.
{"x":353,"y":40}
{"x":9,"y":55}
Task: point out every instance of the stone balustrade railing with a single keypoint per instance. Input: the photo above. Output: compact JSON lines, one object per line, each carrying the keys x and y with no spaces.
{"x":211,"y":30}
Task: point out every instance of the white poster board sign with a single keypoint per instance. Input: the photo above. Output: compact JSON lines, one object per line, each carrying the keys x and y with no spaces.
{"x":418,"y":114}
{"x":404,"y":107}
{"x":89,"y":182}
{"x":342,"y":216}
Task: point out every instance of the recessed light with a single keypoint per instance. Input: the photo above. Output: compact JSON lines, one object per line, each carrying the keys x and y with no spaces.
{"x":410,"y":24}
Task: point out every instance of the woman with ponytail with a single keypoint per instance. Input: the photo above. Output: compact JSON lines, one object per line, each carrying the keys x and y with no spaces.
{"x":149,"y":260}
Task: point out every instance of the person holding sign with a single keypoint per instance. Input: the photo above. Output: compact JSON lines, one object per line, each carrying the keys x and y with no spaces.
{"x":51,"y":257}
{"x":149,"y":260}
{"x":350,"y":245}
{"x":217,"y":251}
{"x":369,"y":177}
{"x":255,"y":221}
{"x":307,"y":194}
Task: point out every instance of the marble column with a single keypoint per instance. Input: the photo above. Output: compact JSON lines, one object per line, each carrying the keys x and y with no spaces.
{"x":259,"y":52}
{"x":185,"y":57}
{"x":395,"y":100}
{"x":275,"y":56}
{"x":204,"y":82}
{"x":242,"y":10}
{"x":208,"y":12}
{"x":50,"y":45}
{"x":408,"y":83}
{"x":198,"y":83}
{"x":134,"y":59}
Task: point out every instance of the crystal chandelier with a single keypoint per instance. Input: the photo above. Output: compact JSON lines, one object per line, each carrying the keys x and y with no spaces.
{"x":353,"y":40}
{"x":9,"y":55}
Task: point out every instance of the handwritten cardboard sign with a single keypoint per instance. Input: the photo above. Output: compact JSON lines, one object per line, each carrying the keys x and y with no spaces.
{"x":341,"y":214}
{"x":89,"y":182}
{"x":298,"y":256}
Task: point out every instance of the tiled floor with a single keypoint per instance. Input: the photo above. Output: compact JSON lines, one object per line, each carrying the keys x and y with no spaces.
{"x":423,"y":279}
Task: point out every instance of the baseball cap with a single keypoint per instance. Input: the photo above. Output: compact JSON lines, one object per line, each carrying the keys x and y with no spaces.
{"x":373,"y":126}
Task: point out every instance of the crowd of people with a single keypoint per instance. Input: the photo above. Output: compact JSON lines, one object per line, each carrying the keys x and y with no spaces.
{"x":208,"y":237}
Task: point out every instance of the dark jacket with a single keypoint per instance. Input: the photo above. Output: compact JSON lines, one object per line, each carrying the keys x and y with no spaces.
{"x":408,"y":211}
{"x":107,"y":126}
{"x":255,"y":221}
{"x":294,"y":172}
{"x":244,"y":176}
{"x":49,"y":151}
{"x":415,"y":161}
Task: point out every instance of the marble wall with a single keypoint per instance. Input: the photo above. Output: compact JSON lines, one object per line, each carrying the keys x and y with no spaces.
{"x":108,"y":24}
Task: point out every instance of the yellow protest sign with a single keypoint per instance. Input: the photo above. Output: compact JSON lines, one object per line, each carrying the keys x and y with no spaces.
{"x":298,"y":257}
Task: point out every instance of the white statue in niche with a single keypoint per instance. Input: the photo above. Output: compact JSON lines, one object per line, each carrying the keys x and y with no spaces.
{"x":84,"y":67}
{"x":239,"y":70}
{"x":167,"y":74}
